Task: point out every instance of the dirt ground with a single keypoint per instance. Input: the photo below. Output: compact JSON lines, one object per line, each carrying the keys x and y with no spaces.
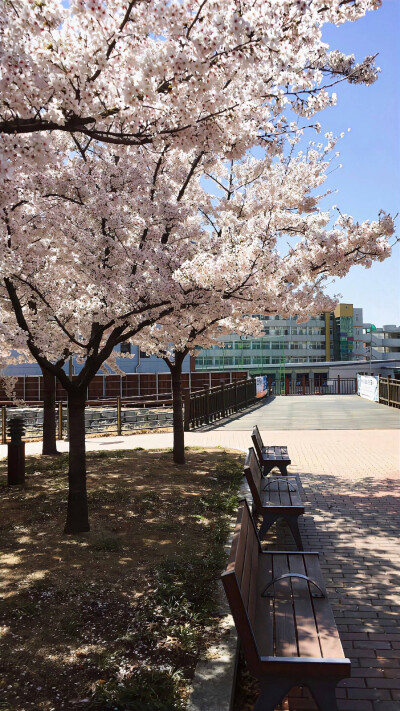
{"x":115,"y":618}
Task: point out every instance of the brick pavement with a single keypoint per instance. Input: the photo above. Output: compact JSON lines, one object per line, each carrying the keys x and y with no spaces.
{"x":352,"y":498}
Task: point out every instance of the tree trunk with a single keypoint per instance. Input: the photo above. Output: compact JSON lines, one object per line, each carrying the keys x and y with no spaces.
{"x":179,"y":436}
{"x":77,"y":514}
{"x":49,"y":418}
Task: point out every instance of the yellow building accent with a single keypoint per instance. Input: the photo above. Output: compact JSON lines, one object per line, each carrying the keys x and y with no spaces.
{"x":343,"y":310}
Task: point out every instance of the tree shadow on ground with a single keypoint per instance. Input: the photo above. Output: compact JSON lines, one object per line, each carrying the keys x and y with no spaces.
{"x":87,"y":621}
{"x":354,"y":525}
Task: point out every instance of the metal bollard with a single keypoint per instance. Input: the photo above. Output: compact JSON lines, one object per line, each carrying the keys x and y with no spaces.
{"x":16,"y":452}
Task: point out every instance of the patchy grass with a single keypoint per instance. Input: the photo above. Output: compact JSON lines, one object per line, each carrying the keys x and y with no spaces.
{"x":116,"y":618}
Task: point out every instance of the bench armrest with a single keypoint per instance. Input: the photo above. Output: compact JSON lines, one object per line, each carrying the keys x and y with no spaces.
{"x":292,"y":575}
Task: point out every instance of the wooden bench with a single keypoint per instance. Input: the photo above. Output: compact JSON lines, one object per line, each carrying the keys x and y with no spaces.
{"x":283,"y":618}
{"x":270,"y":457}
{"x":273,"y":498}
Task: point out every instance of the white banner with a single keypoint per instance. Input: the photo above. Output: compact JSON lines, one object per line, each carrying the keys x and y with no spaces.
{"x":368,"y":387}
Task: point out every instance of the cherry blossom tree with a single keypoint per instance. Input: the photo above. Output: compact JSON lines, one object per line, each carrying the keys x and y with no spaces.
{"x":124,"y":241}
{"x":194,"y":74}
{"x":110,"y":113}
{"x":88,"y":259}
{"x":270,"y":250}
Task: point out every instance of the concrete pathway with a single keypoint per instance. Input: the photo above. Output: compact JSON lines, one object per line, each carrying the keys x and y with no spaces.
{"x":313,"y":412}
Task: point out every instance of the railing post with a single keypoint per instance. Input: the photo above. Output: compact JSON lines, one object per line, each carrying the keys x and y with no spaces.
{"x":223,"y":409}
{"x":388,"y":389}
{"x":119,"y":429}
{"x":338,"y":384}
{"x":3,"y":424}
{"x":60,"y":420}
{"x":186,"y":420}
{"x":355,"y":385}
{"x":207,"y":403}
{"x":303,"y":384}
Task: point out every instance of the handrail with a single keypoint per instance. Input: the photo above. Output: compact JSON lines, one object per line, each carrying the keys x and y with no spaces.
{"x":205,"y":406}
{"x":292,"y":575}
{"x":283,"y":481}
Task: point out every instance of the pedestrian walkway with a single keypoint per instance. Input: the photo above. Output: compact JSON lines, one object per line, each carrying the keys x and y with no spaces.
{"x":313,"y":412}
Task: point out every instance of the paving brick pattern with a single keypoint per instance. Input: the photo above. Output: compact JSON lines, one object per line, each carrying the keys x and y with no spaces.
{"x":352,"y":518}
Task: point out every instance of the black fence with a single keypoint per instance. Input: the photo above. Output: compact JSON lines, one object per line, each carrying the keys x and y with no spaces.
{"x":210,"y":404}
{"x":312,"y":386}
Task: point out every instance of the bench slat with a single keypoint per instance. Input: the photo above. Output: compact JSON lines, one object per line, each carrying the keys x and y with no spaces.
{"x":331,"y":645}
{"x":285,"y":629}
{"x":307,"y":633}
{"x":251,"y":609}
{"x":236,"y":558}
{"x":264,"y":630}
{"x":248,"y":571}
{"x":284,"y":496}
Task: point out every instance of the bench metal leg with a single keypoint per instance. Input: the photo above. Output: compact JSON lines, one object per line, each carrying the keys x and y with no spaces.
{"x":275,"y":689}
{"x":324,"y":693}
{"x":268,"y":520}
{"x":272,"y":693}
{"x":267,"y":467}
{"x":293,"y":523}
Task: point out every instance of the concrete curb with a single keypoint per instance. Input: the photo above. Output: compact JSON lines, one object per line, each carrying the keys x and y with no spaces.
{"x":213,"y":686}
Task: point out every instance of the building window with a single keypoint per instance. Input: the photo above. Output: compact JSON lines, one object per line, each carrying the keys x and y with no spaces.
{"x":125,"y":347}
{"x":143,"y":354}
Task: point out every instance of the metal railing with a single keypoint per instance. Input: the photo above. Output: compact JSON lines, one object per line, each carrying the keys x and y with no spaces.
{"x":206,"y":406}
{"x":111,"y":416}
{"x":135,"y":386}
{"x":389,"y":392}
{"x":313,"y":386}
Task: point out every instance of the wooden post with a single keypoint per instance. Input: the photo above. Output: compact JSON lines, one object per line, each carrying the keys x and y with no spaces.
{"x":355,"y":385}
{"x":3,"y":424}
{"x":186,"y":400}
{"x":303,"y":384}
{"x":16,"y":453}
{"x":388,"y":389}
{"x":60,"y":420}
{"x":119,"y":428}
{"x":16,"y":464}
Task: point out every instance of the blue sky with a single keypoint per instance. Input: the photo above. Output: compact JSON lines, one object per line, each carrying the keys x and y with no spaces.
{"x":370,"y":154}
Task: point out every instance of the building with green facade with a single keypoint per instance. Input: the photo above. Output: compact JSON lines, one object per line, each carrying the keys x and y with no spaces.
{"x":327,"y":337}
